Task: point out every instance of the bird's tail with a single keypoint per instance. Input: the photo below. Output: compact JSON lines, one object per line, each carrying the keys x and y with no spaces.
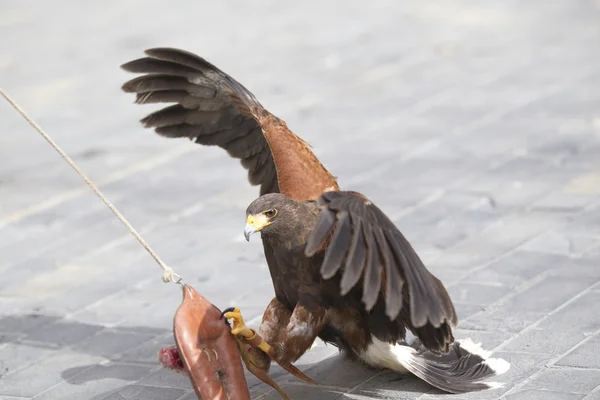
{"x":462,"y":370}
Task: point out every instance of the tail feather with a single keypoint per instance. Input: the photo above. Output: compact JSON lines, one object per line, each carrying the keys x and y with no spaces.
{"x":461,"y":370}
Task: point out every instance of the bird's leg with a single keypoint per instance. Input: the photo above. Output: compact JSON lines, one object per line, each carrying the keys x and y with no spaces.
{"x":257,"y":356}
{"x":304,"y":325}
{"x":240,"y":329}
{"x":288,"y":336}
{"x":274,"y":320}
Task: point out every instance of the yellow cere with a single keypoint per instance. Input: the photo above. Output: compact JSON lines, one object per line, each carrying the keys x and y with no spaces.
{"x":257,"y":221}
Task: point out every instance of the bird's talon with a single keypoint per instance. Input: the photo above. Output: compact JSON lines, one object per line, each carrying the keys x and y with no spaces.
{"x":226,"y":311}
{"x":239,"y":326}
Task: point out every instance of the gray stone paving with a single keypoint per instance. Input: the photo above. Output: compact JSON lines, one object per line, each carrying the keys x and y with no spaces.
{"x":474,"y":124}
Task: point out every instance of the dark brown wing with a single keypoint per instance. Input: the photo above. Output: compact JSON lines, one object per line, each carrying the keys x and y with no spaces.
{"x":365,"y":245}
{"x":212,"y":108}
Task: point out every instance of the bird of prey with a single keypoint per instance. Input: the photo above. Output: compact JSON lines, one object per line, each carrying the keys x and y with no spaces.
{"x":341,"y":269}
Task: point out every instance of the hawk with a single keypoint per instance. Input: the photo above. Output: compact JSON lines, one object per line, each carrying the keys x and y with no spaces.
{"x":341,"y":269}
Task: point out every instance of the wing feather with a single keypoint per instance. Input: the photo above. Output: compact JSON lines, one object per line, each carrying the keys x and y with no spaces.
{"x":372,"y":274}
{"x":339,"y":247}
{"x":355,"y":263}
{"x":213,"y":109}
{"x":320,"y":232}
{"x":375,"y":252}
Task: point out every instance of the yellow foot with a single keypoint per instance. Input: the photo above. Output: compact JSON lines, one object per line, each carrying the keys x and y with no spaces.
{"x":247,"y":336}
{"x":239,"y":326}
{"x":240,"y":329}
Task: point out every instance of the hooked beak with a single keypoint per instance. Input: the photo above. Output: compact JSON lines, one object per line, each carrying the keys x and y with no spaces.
{"x":249,"y":230}
{"x":254,"y":223}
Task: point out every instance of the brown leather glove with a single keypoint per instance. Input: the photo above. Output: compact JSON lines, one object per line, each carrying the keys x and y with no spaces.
{"x":207,"y":350}
{"x":209,"y":355}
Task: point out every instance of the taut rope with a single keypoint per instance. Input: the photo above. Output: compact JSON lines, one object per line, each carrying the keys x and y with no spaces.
{"x":168,"y":274}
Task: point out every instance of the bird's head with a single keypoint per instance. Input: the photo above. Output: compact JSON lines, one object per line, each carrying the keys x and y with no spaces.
{"x":270,"y":214}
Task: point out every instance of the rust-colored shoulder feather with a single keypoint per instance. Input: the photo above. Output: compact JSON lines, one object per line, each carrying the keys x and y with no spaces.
{"x":212,"y":108}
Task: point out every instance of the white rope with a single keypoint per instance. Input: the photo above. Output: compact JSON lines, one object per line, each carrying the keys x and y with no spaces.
{"x":168,"y":274}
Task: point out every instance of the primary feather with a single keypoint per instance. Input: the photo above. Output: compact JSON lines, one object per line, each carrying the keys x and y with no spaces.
{"x":213,"y":109}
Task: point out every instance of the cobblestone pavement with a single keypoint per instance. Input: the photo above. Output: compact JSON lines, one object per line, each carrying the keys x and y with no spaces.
{"x":474,"y":124}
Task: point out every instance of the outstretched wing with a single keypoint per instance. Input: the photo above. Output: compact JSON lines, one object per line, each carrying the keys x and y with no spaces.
{"x":362,"y":244}
{"x":212,"y":108}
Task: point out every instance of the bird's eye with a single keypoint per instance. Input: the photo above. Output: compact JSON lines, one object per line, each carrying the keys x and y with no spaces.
{"x":270,"y":213}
